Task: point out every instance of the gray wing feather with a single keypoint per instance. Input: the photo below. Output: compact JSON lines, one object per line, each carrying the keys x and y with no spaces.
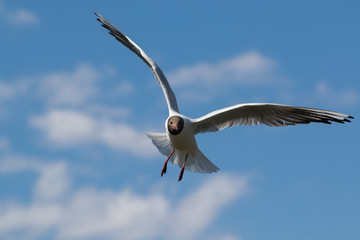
{"x":274,"y":115}
{"x":159,"y":75}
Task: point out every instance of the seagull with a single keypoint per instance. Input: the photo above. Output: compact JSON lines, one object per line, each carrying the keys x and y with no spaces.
{"x":178,"y":143}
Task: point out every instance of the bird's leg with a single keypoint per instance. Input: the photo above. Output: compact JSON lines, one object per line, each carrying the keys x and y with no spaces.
{"x":182,"y":169}
{"x":165,"y":163}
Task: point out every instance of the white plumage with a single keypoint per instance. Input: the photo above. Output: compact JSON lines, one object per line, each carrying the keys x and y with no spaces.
{"x":179,"y":143}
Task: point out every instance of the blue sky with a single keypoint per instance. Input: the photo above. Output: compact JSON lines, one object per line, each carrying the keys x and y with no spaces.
{"x":75,"y":162}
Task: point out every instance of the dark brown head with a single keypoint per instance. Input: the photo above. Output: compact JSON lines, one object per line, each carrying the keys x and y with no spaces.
{"x":175,"y":124}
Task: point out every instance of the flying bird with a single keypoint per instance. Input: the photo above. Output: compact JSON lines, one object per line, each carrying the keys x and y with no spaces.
{"x":178,"y":143}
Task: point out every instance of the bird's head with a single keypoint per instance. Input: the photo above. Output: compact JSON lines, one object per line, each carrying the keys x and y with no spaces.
{"x":175,"y":125}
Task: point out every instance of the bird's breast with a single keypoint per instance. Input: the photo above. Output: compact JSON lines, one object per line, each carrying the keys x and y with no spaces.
{"x":185,"y":141}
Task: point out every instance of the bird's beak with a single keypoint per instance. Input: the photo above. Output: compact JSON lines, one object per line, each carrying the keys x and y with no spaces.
{"x":176,"y":127}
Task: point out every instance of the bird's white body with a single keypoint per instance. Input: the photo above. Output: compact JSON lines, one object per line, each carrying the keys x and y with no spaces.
{"x":180,"y":145}
{"x":185,"y":147}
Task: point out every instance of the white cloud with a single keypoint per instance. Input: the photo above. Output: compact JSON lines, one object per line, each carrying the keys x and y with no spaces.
{"x":4,"y":144}
{"x":14,"y":89}
{"x":79,"y":122}
{"x":72,"y":88}
{"x":124,"y":88}
{"x":66,"y":127}
{"x":125,"y":137}
{"x":226,"y":237}
{"x":53,"y":181}
{"x":13,"y":163}
{"x":6,"y":90}
{"x":108,"y":214}
{"x":73,"y":128}
{"x":76,"y":87}
{"x":217,"y":192}
{"x":18,"y":17}
{"x":107,"y":112}
{"x":248,"y":68}
{"x":204,"y":82}
{"x":21,"y":17}
{"x":89,"y":213}
{"x":325,"y":93}
{"x":322,"y":93}
{"x":34,"y":220}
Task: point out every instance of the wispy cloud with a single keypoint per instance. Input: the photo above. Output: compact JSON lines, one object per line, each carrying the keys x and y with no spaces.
{"x":335,"y":97}
{"x":69,"y":88}
{"x":18,"y":17}
{"x":205,"y":81}
{"x":4,"y":144}
{"x":225,"y":237}
{"x":72,"y":115}
{"x":87,"y":212}
{"x":68,"y":128}
{"x":322,"y":93}
{"x":66,"y":88}
{"x":53,"y":181}
{"x":248,"y":68}
{"x":21,"y":17}
{"x":13,"y":89}
{"x":218,"y":192}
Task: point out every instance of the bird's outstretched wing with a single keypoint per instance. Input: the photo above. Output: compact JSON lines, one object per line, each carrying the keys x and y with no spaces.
{"x":274,"y":115}
{"x":159,"y":75}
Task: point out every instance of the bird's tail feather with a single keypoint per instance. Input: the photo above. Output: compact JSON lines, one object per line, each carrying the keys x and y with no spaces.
{"x":195,"y":162}
{"x":161,"y":141}
{"x":198,"y":162}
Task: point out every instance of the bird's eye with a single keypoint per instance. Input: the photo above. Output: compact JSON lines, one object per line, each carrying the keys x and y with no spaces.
{"x":170,"y":122}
